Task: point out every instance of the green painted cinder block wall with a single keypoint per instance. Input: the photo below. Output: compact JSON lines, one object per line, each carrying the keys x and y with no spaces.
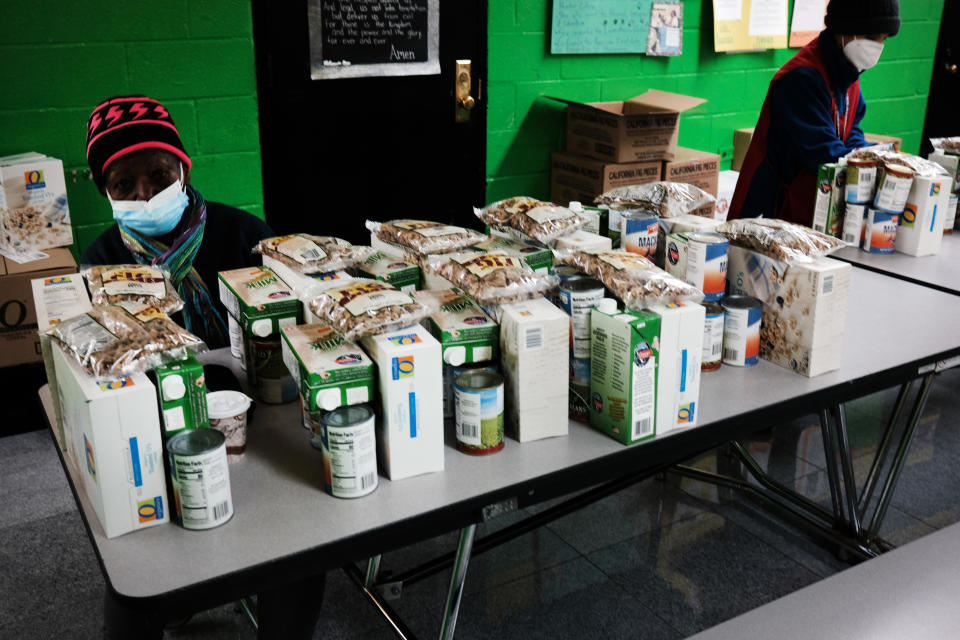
{"x":62,"y":58}
{"x":523,"y":127}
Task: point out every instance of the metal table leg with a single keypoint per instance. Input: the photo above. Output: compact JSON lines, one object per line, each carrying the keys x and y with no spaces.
{"x":882,"y":450}
{"x":830,"y":457}
{"x":457,"y":578}
{"x":846,"y":468}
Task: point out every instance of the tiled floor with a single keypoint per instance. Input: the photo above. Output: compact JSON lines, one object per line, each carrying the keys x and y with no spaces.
{"x":662,"y":559}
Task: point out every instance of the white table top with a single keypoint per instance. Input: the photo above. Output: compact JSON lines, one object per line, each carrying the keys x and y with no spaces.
{"x":910,"y":592}
{"x":283,"y":514}
{"x":941,"y":271}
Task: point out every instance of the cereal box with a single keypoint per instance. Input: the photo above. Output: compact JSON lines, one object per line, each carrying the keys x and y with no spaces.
{"x":34,"y":213}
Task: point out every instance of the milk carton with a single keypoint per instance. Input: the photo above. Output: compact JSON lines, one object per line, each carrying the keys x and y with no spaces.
{"x":117,"y":450}
{"x":830,"y":199}
{"x":624,"y":351}
{"x":681,"y":353}
{"x":410,"y":421}
{"x":381,"y":266}
{"x":259,"y":300}
{"x":34,"y":213}
{"x":680,"y":224}
{"x":466,"y":333}
{"x":583,"y":241}
{"x":921,"y":225}
{"x":57,"y":298}
{"x":304,"y":285}
{"x":329,"y":370}
{"x":538,"y":257}
{"x":804,"y":310}
{"x":534,"y":341}
{"x":182,"y":394}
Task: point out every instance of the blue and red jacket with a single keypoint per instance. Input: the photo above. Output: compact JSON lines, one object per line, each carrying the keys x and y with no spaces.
{"x":811,"y":115}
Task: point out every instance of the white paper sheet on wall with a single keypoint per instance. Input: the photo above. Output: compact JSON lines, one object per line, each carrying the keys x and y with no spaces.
{"x":808,"y":15}
{"x":768,"y":18}
{"x":728,"y":9}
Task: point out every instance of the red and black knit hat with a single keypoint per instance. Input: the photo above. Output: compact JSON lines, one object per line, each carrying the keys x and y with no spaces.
{"x":125,"y":124}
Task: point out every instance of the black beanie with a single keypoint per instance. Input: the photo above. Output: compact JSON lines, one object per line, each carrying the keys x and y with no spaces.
{"x":863,"y":17}
{"x":125,"y":124}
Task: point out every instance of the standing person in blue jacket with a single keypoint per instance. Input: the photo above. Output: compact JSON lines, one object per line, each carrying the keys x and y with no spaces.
{"x":812,"y":112}
{"x":139,"y":163}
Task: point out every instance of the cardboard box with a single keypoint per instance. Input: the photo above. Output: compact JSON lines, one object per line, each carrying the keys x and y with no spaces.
{"x":804,"y":310}
{"x":580,"y":178}
{"x":726,"y":186}
{"x":538,"y":257}
{"x":881,"y":139}
{"x":699,"y":168}
{"x":623,"y":385}
{"x":55,"y":299}
{"x":259,"y":300}
{"x":380,"y":266}
{"x":466,"y":333}
{"x":34,"y":213}
{"x":681,"y":353}
{"x":534,"y":347}
{"x":741,"y":142}
{"x":19,"y":341}
{"x":921,"y":225}
{"x":113,"y":431}
{"x":642,"y":128}
{"x":329,"y":370}
{"x":410,"y":421}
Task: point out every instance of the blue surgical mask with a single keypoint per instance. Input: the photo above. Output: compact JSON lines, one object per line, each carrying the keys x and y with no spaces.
{"x":156,"y":216}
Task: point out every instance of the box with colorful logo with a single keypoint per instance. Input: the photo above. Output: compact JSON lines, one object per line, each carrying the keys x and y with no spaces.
{"x":330,"y":371}
{"x":381,"y":266}
{"x":681,"y":352}
{"x":537,"y":256}
{"x":804,"y":307}
{"x":410,"y":420}
{"x":921,"y":225}
{"x":34,"y":213}
{"x":624,"y":351}
{"x":182,"y":393}
{"x":259,"y":300}
{"x":113,"y":431}
{"x":466,"y":333}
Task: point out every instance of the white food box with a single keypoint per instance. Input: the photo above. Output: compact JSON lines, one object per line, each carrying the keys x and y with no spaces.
{"x":306,"y":287}
{"x":726,"y":185}
{"x":114,"y":433}
{"x":583,"y":241}
{"x":534,"y":352}
{"x":681,"y":353}
{"x":57,"y":298}
{"x":410,"y":420}
{"x":389,"y":248}
{"x":920,"y":230}
{"x":804,"y":310}
{"x":34,"y":213}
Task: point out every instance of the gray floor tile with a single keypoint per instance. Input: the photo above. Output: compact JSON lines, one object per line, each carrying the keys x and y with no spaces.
{"x":77,"y":620}
{"x":20,"y":451}
{"x":699,"y":572}
{"x":35,"y":491}
{"x":572,"y":600}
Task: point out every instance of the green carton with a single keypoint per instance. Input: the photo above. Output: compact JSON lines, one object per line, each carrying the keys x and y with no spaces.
{"x":623,"y":373}
{"x":329,"y":370}
{"x":538,"y":257}
{"x":465,"y":332}
{"x":182,"y":394}
{"x":259,"y":300}
{"x":387,"y":268}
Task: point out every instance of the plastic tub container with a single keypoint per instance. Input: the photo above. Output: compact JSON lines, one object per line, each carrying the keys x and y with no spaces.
{"x":227,"y":411}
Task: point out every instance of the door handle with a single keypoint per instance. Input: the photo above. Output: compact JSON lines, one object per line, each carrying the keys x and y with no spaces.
{"x":462,"y":87}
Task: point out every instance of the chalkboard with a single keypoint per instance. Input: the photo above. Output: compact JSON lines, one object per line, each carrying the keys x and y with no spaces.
{"x":351,"y":38}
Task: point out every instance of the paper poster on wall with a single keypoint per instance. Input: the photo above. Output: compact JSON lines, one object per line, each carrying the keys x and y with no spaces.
{"x":749,"y":25}
{"x":600,"y":26}
{"x":807,"y":21}
{"x":372,"y":38}
{"x":666,"y":29}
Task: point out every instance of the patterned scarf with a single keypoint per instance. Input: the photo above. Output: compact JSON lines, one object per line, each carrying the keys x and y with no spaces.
{"x":200,"y":314}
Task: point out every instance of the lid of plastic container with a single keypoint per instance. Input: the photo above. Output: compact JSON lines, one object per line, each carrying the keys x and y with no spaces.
{"x":225,"y":404}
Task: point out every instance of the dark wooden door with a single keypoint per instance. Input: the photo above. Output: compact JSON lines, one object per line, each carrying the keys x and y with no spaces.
{"x":941,"y":120}
{"x":337,"y":152}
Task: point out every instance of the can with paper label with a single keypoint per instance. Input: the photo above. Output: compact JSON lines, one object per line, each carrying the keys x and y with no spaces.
{"x":201,"y":478}
{"x":479,"y":412}
{"x":741,"y":330}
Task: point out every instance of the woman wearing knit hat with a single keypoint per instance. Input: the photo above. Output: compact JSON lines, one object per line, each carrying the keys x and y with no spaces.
{"x":138,"y":162}
{"x":812,"y":112}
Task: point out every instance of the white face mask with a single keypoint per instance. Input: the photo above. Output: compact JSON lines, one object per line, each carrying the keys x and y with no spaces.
{"x":863,"y":53}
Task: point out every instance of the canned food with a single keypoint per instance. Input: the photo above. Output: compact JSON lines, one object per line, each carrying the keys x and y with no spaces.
{"x":563,"y":272}
{"x":479,"y":412}
{"x":741,"y":330}
{"x":201,"y":478}
{"x":266,"y":371}
{"x":638,"y":232}
{"x":450,"y":373}
{"x":707,"y":263}
{"x":893,"y":187}
{"x":880,"y":231}
{"x":349,"y":445}
{"x":712,"y":337}
{"x":861,"y":179}
{"x":237,"y":348}
{"x":853,"y":219}
{"x":578,"y":298}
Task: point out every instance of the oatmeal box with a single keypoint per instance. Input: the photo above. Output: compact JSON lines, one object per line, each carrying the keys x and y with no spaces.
{"x":34,"y":214}
{"x":804,"y":307}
